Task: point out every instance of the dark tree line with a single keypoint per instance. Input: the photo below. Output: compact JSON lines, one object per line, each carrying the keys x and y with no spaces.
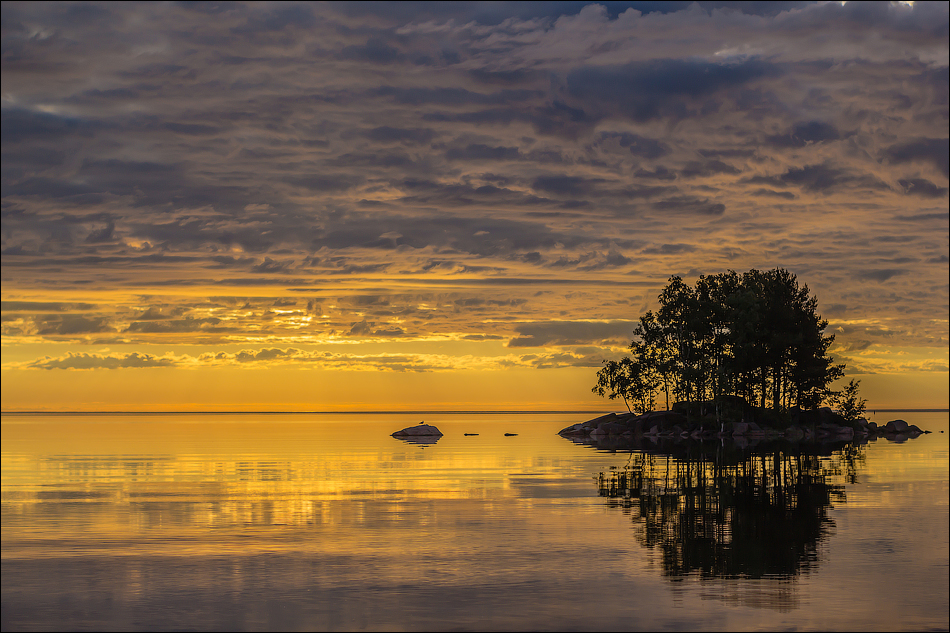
{"x":757,"y":335}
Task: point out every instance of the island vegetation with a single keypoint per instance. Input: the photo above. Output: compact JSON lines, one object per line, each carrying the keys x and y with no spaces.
{"x":733,"y":355}
{"x":757,"y":336}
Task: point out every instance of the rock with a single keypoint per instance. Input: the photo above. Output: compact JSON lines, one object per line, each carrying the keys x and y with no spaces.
{"x":610,"y":417}
{"x":510,"y":434}
{"x":612,"y":428}
{"x":844,"y":433}
{"x":418,"y":430}
{"x":895,"y":426}
{"x":574,"y":429}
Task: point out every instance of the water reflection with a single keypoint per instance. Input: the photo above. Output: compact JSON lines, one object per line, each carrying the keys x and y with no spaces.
{"x":725,"y":513}
{"x":420,"y":439}
{"x":328,"y":525}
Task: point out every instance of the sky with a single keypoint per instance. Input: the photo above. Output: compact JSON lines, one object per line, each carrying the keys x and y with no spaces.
{"x":431,"y":206}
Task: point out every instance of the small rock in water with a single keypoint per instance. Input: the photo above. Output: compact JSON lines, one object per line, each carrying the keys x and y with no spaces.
{"x":510,"y":434}
{"x":419,"y":429}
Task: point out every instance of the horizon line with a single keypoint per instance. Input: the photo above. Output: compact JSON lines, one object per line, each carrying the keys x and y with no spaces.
{"x":348,"y":412}
{"x":385,"y":412}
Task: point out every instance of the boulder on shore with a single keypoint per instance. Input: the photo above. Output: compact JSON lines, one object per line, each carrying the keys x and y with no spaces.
{"x":418,"y":430}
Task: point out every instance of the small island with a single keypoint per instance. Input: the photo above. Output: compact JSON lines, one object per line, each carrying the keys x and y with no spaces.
{"x":717,"y":347}
{"x":737,"y":421}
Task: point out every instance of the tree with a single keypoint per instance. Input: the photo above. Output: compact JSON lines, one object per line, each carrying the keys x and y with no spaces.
{"x":849,"y":404}
{"x":758,"y":336}
{"x":633,"y":380}
{"x":656,"y":346}
{"x":614,"y":380}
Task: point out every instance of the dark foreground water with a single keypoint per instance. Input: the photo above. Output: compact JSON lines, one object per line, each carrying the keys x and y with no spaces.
{"x":323,"y":522}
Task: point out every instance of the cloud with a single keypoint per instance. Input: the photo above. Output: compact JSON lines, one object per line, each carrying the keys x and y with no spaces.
{"x":571,"y":333}
{"x":408,"y":136}
{"x":461,"y":171}
{"x":44,"y":306}
{"x":84,"y":361}
{"x":690,"y":205}
{"x":804,"y":133}
{"x":566,"y":185}
{"x":639,"y":145}
{"x":922,"y":187}
{"x":662,"y":88}
{"x":819,"y":178}
{"x":882,"y":274}
{"x":71,"y":324}
{"x":935,"y":151}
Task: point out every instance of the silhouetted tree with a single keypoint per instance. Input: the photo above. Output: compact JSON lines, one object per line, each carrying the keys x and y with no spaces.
{"x":758,"y":336}
{"x":849,"y":404}
{"x":634,"y":380}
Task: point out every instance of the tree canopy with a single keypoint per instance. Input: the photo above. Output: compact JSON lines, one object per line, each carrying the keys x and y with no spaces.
{"x":757,"y":335}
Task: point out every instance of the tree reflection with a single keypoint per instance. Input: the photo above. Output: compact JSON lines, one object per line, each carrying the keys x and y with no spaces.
{"x":728,"y":515}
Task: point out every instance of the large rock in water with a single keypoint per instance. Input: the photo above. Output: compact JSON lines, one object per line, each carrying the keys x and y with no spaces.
{"x":418,"y":430}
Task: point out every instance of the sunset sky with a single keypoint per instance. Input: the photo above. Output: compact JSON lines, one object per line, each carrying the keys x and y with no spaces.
{"x":371,"y":206}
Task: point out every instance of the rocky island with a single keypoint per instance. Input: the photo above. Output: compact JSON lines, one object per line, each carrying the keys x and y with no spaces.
{"x":748,"y":358}
{"x":734,"y":419}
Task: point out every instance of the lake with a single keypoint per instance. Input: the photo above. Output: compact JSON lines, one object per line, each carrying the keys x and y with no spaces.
{"x":326,"y":522}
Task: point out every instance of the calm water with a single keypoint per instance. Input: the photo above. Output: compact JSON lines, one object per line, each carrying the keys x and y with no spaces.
{"x":322,"y":522}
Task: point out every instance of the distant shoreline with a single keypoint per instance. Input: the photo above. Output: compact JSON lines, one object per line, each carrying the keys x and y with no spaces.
{"x":369,"y":412}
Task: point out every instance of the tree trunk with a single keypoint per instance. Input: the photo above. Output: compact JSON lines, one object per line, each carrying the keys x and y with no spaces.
{"x":776,"y":387}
